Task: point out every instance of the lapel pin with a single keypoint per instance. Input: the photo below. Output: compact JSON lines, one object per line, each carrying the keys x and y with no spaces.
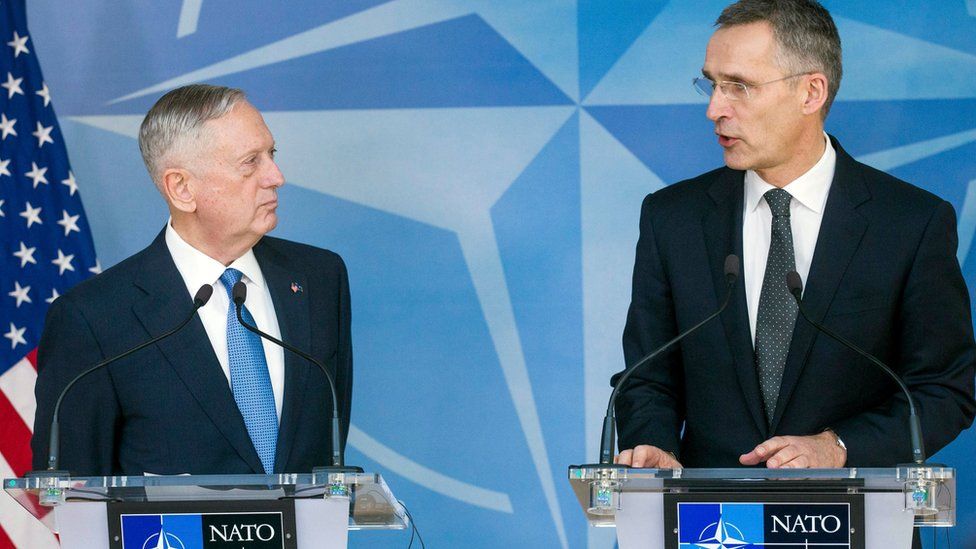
{"x":296,"y":288}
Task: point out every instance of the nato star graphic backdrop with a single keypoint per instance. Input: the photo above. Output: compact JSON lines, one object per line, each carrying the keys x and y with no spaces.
{"x":480,"y":166}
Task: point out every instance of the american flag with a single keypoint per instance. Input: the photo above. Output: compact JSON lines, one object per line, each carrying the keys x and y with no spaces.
{"x":46,"y":248}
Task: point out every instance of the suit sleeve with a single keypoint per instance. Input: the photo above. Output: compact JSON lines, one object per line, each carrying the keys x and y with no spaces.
{"x":344,"y":352}
{"x":935,"y":356}
{"x":89,"y":413}
{"x":650,"y":405}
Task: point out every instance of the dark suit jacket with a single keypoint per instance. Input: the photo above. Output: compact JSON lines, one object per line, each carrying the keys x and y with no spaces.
{"x":169,"y":409}
{"x":884,"y":275}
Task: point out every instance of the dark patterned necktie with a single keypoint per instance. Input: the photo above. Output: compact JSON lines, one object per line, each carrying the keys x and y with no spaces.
{"x":777,"y":308}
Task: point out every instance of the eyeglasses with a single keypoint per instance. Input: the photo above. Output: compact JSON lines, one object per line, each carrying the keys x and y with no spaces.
{"x":733,"y":91}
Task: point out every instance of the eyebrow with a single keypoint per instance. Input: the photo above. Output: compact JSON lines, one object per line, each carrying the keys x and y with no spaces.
{"x":733,"y":77}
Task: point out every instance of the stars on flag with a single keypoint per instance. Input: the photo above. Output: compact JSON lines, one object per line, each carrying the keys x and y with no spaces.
{"x":69,"y":222}
{"x":32,"y":215}
{"x":31,"y":276}
{"x":37,"y":174}
{"x":13,"y":86}
{"x":25,"y":255}
{"x":45,"y":94}
{"x":19,"y":44}
{"x":70,"y":182}
{"x":20,"y":294}
{"x":16,"y":336}
{"x":63,"y":262}
{"x":43,"y":135}
{"x":7,"y":126}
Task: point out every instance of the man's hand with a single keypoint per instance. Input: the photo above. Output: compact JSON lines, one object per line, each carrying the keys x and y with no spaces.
{"x":813,"y":451}
{"x":648,"y":456}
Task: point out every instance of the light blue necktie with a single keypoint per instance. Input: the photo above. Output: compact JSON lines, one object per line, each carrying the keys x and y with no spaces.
{"x":249,"y":378}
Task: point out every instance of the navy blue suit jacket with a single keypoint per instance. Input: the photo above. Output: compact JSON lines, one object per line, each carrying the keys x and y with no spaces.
{"x":884,"y":275}
{"x":169,"y":409}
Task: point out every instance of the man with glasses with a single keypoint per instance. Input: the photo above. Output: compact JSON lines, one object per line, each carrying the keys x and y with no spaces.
{"x":876,"y":255}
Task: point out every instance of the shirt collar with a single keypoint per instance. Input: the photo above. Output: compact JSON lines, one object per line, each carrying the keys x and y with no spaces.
{"x":198,"y":268}
{"x":809,"y":190}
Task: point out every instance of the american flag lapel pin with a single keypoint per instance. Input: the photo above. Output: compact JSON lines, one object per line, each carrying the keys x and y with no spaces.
{"x":296,"y":288}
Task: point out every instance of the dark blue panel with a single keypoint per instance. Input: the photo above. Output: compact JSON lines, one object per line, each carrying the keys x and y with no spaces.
{"x":870,"y":126}
{"x":606,"y":29}
{"x":458,"y":63}
{"x":945,"y":22}
{"x":675,"y":142}
{"x":946,"y":174}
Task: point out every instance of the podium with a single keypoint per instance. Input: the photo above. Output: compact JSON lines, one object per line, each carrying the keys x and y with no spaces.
{"x":291,"y":511}
{"x":803,"y":508}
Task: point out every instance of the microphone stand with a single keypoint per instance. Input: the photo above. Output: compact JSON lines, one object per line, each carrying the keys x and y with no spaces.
{"x":605,"y":488}
{"x":921,"y":480}
{"x":50,"y":476}
{"x":239,"y":293}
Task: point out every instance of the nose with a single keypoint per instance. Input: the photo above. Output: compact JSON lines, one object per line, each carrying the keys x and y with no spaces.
{"x":718,"y":105}
{"x":274,"y":177}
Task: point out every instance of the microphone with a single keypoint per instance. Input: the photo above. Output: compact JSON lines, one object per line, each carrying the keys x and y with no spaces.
{"x":239,"y":295}
{"x":54,"y":451}
{"x":795,"y":285}
{"x":609,"y":421}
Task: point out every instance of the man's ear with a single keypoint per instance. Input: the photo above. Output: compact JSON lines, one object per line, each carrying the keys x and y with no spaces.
{"x":815,"y":96}
{"x":177,"y":189}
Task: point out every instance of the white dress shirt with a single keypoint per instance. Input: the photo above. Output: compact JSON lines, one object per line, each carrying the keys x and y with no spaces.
{"x":809,"y":192}
{"x":197,"y":269}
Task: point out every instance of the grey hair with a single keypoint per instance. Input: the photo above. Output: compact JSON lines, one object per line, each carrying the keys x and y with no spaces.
{"x":179,"y":115}
{"x":805,"y":33}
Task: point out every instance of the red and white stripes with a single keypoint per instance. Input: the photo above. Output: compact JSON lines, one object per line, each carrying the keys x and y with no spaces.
{"x":17,"y":527}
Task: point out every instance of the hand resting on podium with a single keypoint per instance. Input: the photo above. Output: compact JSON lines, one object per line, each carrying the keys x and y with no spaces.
{"x":645,"y":455}
{"x":798,"y":452}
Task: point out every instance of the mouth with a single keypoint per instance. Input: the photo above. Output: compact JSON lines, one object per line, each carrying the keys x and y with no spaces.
{"x":726,"y":141}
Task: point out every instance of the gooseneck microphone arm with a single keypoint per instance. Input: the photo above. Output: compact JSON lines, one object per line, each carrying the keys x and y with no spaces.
{"x":608,"y":434}
{"x":239,"y":294}
{"x":795,"y":285}
{"x":54,"y":451}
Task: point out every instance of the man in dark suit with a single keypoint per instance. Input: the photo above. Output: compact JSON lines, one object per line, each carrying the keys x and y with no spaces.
{"x":213,"y":398}
{"x":876,"y":254}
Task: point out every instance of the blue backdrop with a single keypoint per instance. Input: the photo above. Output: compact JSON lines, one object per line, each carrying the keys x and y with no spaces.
{"x":480,"y":166}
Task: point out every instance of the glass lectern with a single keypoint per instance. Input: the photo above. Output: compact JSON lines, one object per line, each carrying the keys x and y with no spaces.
{"x":90,"y":512}
{"x":804,"y":508}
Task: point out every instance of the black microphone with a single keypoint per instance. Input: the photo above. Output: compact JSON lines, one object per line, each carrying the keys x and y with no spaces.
{"x":199,"y":300}
{"x":239,"y":295}
{"x":795,"y":285}
{"x":609,"y":421}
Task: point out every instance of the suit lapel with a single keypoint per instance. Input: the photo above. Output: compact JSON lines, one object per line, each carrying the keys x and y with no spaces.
{"x":291,"y":308}
{"x":190,"y":353}
{"x":722,"y":227}
{"x":840,"y":235}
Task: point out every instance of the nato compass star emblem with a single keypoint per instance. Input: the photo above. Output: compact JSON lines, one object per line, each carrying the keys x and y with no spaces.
{"x":509,"y":147}
{"x":163,"y":541}
{"x":720,"y":536}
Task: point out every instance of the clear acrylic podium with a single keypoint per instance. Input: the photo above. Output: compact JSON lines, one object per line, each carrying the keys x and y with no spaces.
{"x":79,"y":508}
{"x":664,"y":508}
